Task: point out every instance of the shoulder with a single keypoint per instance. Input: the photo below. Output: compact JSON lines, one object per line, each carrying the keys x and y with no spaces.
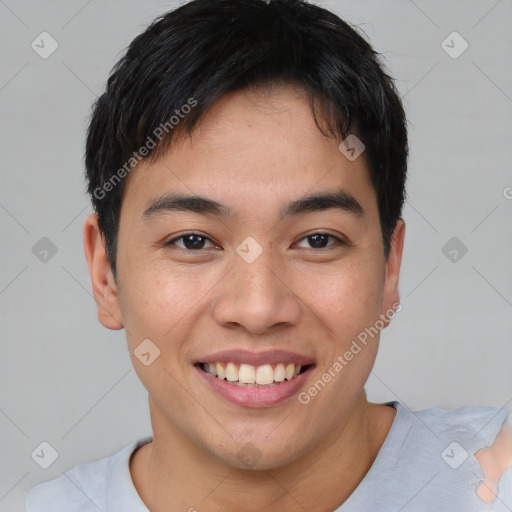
{"x":81,"y":488}
{"x":468,"y":454}
{"x":476,"y":427}
{"x":84,"y":487}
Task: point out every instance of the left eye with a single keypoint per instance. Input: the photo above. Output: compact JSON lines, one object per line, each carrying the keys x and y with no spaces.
{"x":317,"y":240}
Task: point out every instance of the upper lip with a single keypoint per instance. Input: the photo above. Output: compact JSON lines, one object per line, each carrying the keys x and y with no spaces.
{"x":257,"y":358}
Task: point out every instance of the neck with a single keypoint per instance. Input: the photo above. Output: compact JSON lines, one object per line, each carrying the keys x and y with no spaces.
{"x":173,"y":473}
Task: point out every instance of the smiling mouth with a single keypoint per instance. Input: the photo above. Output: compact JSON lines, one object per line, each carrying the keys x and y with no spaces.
{"x":249,"y":376}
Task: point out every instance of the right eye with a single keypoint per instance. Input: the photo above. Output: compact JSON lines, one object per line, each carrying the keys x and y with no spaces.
{"x":191,"y":242}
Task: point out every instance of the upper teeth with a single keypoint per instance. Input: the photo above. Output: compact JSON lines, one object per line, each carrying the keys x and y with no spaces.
{"x":248,"y":374}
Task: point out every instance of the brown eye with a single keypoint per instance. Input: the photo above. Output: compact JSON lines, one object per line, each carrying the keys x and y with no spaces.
{"x":191,"y":242}
{"x":319,"y":240}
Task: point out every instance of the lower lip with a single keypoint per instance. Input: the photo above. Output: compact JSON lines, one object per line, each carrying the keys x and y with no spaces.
{"x":255,"y":397}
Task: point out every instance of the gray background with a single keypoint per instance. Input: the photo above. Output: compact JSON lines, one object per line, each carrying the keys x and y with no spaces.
{"x":67,"y":380}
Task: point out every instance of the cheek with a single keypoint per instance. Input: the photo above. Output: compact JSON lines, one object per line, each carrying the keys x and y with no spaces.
{"x":348,"y":306}
{"x":158,"y":305}
{"x":159,"y":301}
{"x":346,"y":300}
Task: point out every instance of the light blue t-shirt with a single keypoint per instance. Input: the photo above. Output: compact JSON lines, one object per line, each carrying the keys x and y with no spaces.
{"x":426,"y":464}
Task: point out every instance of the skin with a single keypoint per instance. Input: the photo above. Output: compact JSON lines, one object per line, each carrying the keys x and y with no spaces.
{"x":495,"y":460}
{"x":254,"y":152}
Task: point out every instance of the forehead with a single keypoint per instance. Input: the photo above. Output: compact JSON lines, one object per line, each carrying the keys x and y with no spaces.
{"x":253,"y":148}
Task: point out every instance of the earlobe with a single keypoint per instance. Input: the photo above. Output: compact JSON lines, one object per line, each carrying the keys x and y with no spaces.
{"x":103,"y":283}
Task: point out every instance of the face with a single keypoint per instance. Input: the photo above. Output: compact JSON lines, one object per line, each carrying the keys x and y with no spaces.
{"x":257,"y":278}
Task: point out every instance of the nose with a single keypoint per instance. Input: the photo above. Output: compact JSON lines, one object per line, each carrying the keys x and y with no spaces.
{"x":257,"y":297}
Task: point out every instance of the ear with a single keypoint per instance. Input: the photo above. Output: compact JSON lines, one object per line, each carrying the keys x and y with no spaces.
{"x":391,"y":295}
{"x":103,"y":283}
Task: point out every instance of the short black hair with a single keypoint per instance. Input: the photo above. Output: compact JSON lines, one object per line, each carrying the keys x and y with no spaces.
{"x":193,"y":55}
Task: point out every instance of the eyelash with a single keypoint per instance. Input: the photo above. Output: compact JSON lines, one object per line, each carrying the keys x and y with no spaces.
{"x":338,"y":241}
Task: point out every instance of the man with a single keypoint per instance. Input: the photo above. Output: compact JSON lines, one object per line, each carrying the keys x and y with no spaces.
{"x":247,"y":166}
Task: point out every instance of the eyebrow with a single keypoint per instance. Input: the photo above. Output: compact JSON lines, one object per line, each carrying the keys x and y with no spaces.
{"x":336,"y":199}
{"x":339,"y":199}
